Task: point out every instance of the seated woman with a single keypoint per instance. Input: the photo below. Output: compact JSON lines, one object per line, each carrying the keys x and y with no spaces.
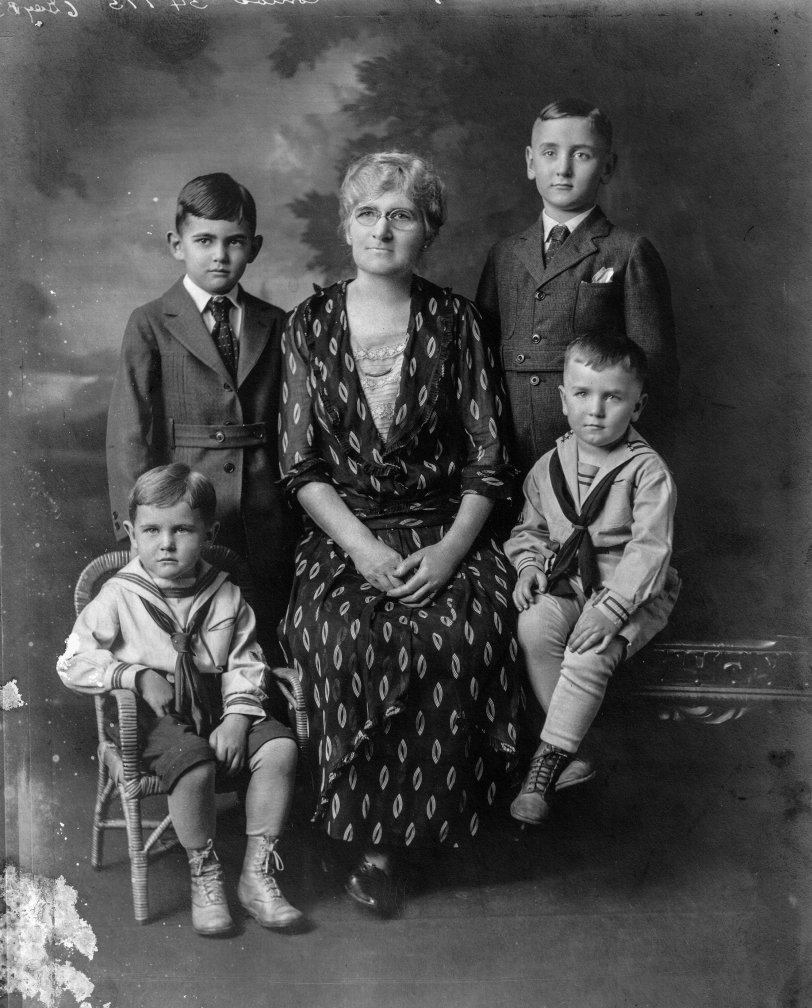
{"x":399,"y":619}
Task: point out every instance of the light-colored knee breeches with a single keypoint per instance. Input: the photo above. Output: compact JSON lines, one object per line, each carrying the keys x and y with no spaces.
{"x":569,"y":686}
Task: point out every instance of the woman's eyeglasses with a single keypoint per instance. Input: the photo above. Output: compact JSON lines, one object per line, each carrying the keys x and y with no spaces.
{"x":400,"y":219}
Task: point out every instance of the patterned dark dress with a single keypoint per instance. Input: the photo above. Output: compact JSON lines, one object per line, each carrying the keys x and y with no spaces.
{"x":413,"y":709}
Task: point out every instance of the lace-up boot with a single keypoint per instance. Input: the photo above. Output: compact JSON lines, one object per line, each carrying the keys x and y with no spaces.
{"x":258,"y":890}
{"x":532,"y":804}
{"x":210,"y":915}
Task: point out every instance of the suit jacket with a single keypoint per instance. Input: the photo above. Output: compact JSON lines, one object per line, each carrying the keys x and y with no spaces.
{"x":532,"y":312}
{"x":632,"y":537}
{"x":174,"y":400}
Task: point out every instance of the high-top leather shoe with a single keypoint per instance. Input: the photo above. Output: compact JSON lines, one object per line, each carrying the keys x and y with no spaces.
{"x":210,"y":915}
{"x":258,"y":890}
{"x":532,"y":804}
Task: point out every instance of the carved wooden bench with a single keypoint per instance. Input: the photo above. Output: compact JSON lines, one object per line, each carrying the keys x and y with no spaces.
{"x":717,"y":681}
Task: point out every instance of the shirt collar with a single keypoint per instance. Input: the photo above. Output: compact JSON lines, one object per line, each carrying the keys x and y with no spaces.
{"x":201,"y":298}
{"x":548,"y":223}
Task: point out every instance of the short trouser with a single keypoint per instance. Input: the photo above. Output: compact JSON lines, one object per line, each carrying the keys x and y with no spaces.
{"x":170,"y":746}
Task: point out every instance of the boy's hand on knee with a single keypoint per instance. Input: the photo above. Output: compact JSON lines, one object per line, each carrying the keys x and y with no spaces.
{"x":592,"y":632}
{"x":156,"y":691}
{"x":228,"y":740}
{"x":531,"y":581}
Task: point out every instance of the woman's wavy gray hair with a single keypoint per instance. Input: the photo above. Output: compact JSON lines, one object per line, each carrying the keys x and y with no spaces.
{"x":395,"y":171}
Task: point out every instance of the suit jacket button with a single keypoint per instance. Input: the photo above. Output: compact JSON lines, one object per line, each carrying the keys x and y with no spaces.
{"x":229,"y":467}
{"x":536,"y":338}
{"x":219,"y":436}
{"x":541,"y":295}
{"x":227,"y":387}
{"x":520,"y":358}
{"x":535,"y":380}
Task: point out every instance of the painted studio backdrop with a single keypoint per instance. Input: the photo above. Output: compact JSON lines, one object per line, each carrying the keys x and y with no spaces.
{"x":110,"y":107}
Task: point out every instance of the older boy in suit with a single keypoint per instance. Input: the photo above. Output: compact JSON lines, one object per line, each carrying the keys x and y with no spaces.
{"x":198,"y":382}
{"x":574,"y":272}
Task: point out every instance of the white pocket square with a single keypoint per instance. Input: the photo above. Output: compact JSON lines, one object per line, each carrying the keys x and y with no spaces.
{"x":604,"y":275}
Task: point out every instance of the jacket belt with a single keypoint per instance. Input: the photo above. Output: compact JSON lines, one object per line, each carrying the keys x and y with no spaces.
{"x":216,"y":435}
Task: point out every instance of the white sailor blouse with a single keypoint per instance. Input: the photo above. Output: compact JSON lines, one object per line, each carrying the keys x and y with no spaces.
{"x":114,"y":638}
{"x":632,"y":536}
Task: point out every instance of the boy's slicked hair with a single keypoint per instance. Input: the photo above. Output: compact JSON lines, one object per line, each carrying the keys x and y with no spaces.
{"x":602,"y":350}
{"x":166,"y":485}
{"x":391,"y":171}
{"x":566,"y":108}
{"x":216,"y":197}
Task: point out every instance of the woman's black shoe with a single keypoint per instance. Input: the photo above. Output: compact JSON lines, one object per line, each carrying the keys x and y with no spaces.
{"x":374,"y":888}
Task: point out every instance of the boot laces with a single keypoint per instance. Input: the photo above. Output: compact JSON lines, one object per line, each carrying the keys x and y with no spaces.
{"x":544,"y":769}
{"x":270,"y":862}
{"x":207,"y":872}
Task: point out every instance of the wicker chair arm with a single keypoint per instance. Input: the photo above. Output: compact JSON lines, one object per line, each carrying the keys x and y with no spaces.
{"x":128,"y":732}
{"x":288,"y":682}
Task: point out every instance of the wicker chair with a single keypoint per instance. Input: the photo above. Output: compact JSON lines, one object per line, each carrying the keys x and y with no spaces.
{"x":119,"y":767}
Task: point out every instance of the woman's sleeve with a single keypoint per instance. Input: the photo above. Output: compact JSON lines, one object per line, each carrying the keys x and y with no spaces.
{"x":530,"y":544}
{"x":481,"y":399}
{"x":299,"y":461}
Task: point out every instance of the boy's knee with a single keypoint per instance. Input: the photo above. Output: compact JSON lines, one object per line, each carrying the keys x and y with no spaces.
{"x":200,"y":774}
{"x":593,"y":663}
{"x":278,"y":755}
{"x":543,"y":624}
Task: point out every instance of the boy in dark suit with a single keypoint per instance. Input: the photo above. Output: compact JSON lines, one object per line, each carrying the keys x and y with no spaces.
{"x":198,"y":382}
{"x":571,"y":273}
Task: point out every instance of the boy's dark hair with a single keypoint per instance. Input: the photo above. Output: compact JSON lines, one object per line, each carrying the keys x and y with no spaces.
{"x":567,"y":107}
{"x":602,"y":350}
{"x":216,"y":197}
{"x":168,"y":484}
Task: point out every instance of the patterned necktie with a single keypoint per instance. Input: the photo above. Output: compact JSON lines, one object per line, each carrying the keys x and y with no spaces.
{"x":558,"y":235}
{"x":223,"y":334}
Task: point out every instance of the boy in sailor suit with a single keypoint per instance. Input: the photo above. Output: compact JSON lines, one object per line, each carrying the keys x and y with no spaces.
{"x":198,"y":382}
{"x":179,"y":634}
{"x":591,"y":552}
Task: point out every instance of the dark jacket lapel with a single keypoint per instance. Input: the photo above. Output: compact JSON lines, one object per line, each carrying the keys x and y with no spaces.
{"x":583,"y":242}
{"x":256,"y":330}
{"x":528,"y":250}
{"x":186,"y":324}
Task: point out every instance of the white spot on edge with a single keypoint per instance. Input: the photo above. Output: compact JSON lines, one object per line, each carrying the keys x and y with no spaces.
{"x":41,"y":913}
{"x":10,"y":696}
